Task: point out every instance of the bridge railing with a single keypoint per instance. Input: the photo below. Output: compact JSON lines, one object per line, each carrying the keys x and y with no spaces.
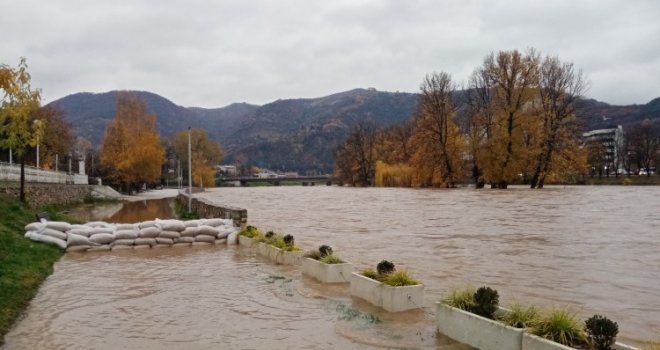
{"x":12,"y":172}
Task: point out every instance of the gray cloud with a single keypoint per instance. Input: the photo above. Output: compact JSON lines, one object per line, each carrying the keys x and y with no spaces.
{"x":206,"y":53}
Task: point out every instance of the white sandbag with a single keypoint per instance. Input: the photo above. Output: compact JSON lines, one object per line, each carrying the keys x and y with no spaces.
{"x":185,"y":240}
{"x":30,"y":233}
{"x":220,"y":241}
{"x":48,"y":240}
{"x":87,"y":231}
{"x":222,"y":234}
{"x":121,"y":247}
{"x":212,"y":222}
{"x":100,"y":248}
{"x":145,"y":241}
{"x":54,"y":233}
{"x":145,"y":224}
{"x":58,"y":225}
{"x":73,"y":240}
{"x":232,"y":238}
{"x":123,"y":242}
{"x":161,"y":240}
{"x":126,"y":234}
{"x":176,"y":245}
{"x":201,"y":243}
{"x":102,"y":238}
{"x":191,"y":223}
{"x":169,"y":234}
{"x":228,"y":222}
{"x":149,"y":232}
{"x":121,"y":227}
{"x":172,"y":225}
{"x":162,"y":246}
{"x":97,"y":230}
{"x":97,"y":224}
{"x":35,"y":226}
{"x":208,"y":230}
{"x":204,"y":238}
{"x":75,"y":226}
{"x":78,"y":248}
{"x":190,"y":232}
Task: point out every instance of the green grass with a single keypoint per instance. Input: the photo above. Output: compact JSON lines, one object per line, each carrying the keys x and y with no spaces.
{"x":560,"y":326}
{"x":24,"y":264}
{"x":182,"y":211}
{"x":461,"y":298}
{"x":370,"y":273}
{"x":399,"y":279}
{"x":521,"y":316}
{"x":331,"y":259}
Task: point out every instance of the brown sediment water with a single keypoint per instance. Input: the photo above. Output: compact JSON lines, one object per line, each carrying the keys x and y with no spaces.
{"x":595,"y":249}
{"x":126,"y":212}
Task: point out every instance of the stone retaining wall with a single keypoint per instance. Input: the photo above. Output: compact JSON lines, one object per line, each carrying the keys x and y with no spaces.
{"x":39,"y":194}
{"x":206,"y":209}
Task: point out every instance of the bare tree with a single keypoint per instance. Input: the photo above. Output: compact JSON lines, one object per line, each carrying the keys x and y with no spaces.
{"x":479,"y":122}
{"x":355,"y":158}
{"x":645,"y":143}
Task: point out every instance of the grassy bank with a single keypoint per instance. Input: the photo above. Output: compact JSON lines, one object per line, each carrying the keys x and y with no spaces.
{"x":24,"y":264}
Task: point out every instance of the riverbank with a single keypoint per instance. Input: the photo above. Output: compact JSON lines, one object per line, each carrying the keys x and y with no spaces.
{"x":24,"y":264}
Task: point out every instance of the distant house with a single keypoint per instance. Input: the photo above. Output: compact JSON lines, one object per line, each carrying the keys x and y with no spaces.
{"x":611,"y":139}
{"x":227,"y":170}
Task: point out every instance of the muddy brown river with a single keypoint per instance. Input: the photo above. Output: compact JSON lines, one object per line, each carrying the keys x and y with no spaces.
{"x":594,"y":249}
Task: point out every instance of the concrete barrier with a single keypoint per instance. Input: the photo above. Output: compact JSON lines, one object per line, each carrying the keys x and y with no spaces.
{"x":392,"y":299}
{"x":279,"y":256}
{"x":327,"y":273}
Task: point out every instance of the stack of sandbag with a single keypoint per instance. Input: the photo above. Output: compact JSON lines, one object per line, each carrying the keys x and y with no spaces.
{"x":98,"y":235}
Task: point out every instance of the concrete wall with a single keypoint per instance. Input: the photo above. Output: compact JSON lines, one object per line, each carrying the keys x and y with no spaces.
{"x":38,"y":194}
{"x":207,"y":209}
{"x":12,"y":172}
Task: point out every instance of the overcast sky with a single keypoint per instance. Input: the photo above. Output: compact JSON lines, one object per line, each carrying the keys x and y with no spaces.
{"x":213,"y":53}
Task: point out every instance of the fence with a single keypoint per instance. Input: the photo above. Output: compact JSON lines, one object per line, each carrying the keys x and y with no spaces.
{"x":9,"y":172}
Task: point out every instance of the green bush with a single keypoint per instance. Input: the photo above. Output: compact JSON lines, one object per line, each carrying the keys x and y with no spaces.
{"x":486,"y":301}
{"x":288,"y":240}
{"x":331,"y":259}
{"x":369,"y":273}
{"x":460,"y":298}
{"x":385,"y":267}
{"x":251,"y":232}
{"x":325,"y":250}
{"x":601,"y":332}
{"x":560,"y":326}
{"x":521,"y":316}
{"x":399,"y":279}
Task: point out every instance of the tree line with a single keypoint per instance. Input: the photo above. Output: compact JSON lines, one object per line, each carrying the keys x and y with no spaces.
{"x":517,"y":124}
{"x":131,"y":154}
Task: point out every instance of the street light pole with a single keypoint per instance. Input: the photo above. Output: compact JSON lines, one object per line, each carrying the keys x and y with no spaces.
{"x":189,"y":172}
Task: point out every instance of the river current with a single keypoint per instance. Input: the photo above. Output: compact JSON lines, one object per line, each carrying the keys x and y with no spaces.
{"x":593,"y":249}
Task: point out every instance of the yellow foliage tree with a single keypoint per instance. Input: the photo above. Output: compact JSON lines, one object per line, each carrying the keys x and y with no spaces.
{"x":131,"y":148}
{"x":206,"y":154}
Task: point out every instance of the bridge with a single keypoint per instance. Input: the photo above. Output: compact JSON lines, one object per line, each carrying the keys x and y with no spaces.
{"x":276,"y":181}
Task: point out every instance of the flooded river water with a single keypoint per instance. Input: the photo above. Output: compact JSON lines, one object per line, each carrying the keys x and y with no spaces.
{"x":595,"y":249}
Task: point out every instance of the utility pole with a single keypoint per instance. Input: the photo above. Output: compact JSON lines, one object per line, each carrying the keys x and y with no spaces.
{"x":57,"y":161}
{"x":189,"y":172}
{"x":11,"y":161}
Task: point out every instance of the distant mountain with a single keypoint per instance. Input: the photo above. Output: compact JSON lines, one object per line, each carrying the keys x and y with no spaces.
{"x":298,"y":134}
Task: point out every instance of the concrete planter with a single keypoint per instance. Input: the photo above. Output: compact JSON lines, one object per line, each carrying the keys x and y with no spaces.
{"x":392,"y":299}
{"x":533,"y":342}
{"x":327,"y":273}
{"x":246,"y":241}
{"x":279,"y":256}
{"x":476,"y":331}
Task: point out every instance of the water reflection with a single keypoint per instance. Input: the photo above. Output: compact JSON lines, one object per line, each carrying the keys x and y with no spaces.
{"x":126,"y":212}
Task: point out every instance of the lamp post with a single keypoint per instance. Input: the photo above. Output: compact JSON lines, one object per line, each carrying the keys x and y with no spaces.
{"x":189,"y":172}
{"x":11,"y":161}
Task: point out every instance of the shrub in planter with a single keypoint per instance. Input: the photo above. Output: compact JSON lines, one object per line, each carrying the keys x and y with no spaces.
{"x":560,"y":326}
{"x":288,"y":240}
{"x":324,"y":255}
{"x":386,"y":273}
{"x":251,"y":232}
{"x":520,"y":316}
{"x":331,"y":259}
{"x":325,"y":250}
{"x":486,"y":301}
{"x":385,"y":267}
{"x":285,"y":243}
{"x":601,"y":332}
{"x":461,"y":298}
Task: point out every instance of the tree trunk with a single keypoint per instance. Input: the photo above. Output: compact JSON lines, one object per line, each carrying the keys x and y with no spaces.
{"x":22,"y":189}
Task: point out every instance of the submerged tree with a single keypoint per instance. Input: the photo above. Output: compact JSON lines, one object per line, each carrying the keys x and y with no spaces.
{"x":131,"y":148}
{"x":355,"y":158}
{"x":436,"y":140}
{"x":18,"y":131}
{"x":206,"y":154}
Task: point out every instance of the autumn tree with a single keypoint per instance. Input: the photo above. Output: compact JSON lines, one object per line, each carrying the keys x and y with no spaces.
{"x":513,"y":77}
{"x":645,"y":144}
{"x":206,"y":154}
{"x":131,"y":148}
{"x":18,"y":131}
{"x":479,"y":123}
{"x":559,"y":88}
{"x":355,"y":158}
{"x":57,"y":138}
{"x":436,"y":140}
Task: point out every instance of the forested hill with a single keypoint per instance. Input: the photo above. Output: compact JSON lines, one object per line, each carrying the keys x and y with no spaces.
{"x":296,"y":134}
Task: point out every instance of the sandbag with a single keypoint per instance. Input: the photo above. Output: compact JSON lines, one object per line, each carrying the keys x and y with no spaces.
{"x":143,"y":246}
{"x":212,"y":222}
{"x":58,"y":225}
{"x":169,"y":234}
{"x":204,"y":238}
{"x":54,"y":233}
{"x":102,"y":238}
{"x":78,"y":248}
{"x":232,"y":238}
{"x":208,"y":230}
{"x":121,"y":247}
{"x":162,"y":246}
{"x":87,"y":231}
{"x":181,"y":244}
{"x":126,"y":234}
{"x":73,"y":240}
{"x":97,"y":230}
{"x":30,"y":233}
{"x":35,"y":226}
{"x":97,"y":224}
{"x":145,"y":241}
{"x":121,"y":227}
{"x":201,"y":243}
{"x":100,"y":248}
{"x":172,"y":225}
{"x":145,"y":224}
{"x":185,"y":240}
{"x":149,"y":232}
{"x":48,"y":240}
{"x":222,"y":234}
{"x":161,"y":240}
{"x":221,"y":241}
{"x":190,"y":232}
{"x":191,"y":223}
{"x":123,"y":242}
{"x":76,"y":226}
